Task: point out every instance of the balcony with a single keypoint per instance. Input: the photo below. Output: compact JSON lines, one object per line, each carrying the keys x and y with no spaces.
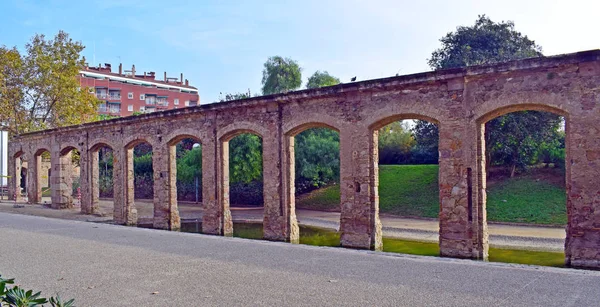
{"x":162,"y":103}
{"x":112,"y":109}
{"x":114,"y":96}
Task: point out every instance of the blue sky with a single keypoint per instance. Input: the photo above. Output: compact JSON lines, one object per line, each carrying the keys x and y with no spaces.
{"x":221,"y":46}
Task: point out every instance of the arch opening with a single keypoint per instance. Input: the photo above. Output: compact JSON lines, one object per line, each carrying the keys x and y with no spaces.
{"x":185,"y":183}
{"x":40,"y":171}
{"x":140,"y":177}
{"x":405,"y":159}
{"x":19,"y":182}
{"x":102,"y":161}
{"x":241,"y":176}
{"x":313,"y":177}
{"x":67,"y":190}
{"x":522,"y":175}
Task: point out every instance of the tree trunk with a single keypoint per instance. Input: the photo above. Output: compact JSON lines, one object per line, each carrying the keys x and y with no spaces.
{"x":512,"y":170}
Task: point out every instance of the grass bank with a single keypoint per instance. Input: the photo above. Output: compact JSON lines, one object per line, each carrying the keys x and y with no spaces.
{"x":412,"y":191}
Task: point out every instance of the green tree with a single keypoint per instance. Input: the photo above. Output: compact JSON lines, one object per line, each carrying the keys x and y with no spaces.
{"x":317,"y":158}
{"x":245,"y":158}
{"x":395,"y":143}
{"x":426,"y":135}
{"x":189,"y":166}
{"x":489,"y":42}
{"x":281,"y":75}
{"x":518,"y":138}
{"x":321,"y":79}
{"x":39,"y":89}
{"x":235,"y":96}
{"x":485,"y":42}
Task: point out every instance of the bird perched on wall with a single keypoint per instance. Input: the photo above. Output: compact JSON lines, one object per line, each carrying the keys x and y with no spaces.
{"x":353,"y":79}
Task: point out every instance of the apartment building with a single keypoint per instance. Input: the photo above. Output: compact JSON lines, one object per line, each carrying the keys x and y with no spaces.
{"x":125,"y":92}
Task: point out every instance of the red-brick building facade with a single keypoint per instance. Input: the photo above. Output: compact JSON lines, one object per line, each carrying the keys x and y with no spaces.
{"x":125,"y":92}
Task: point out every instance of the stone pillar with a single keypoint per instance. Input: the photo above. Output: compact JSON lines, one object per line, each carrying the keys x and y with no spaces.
{"x":94,"y":182}
{"x":289,"y":190}
{"x":360,"y":226}
{"x":456,"y":210}
{"x":477,"y":188}
{"x":164,"y":164}
{"x":14,"y":180}
{"x":212,"y":215}
{"x":34,"y":186}
{"x":582,"y":245}
{"x":279,"y":222}
{"x":217,"y":216}
{"x":61,"y":180}
{"x":85,"y":186}
{"x":123,"y":189}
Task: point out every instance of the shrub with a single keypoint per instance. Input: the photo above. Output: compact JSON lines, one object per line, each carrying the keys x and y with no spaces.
{"x":15,"y":296}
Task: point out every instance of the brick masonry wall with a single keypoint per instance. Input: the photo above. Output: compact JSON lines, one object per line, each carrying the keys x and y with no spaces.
{"x":460,"y":101}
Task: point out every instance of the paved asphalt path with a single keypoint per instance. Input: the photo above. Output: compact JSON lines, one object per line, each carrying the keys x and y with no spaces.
{"x":108,"y":265}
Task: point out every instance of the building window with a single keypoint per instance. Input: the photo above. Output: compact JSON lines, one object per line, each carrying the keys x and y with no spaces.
{"x":142,"y":109}
{"x":130,"y":95}
{"x":142,"y":97}
{"x":130,"y":108}
{"x":176,"y":102}
{"x":187,"y":103}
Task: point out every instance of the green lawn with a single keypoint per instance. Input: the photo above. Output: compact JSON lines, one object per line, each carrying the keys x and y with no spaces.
{"x":412,"y":191}
{"x":324,"y":237}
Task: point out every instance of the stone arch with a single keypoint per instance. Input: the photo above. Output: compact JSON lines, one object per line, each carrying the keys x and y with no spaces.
{"x":15,"y":169}
{"x":178,"y":138}
{"x":136,"y":141}
{"x":169,"y":200}
{"x":65,"y":149}
{"x":230,"y":131}
{"x":34,"y":174}
{"x":62,"y":165}
{"x":101,"y":144}
{"x":18,"y":154}
{"x":299,"y":124}
{"x":381,"y":122}
{"x":497,"y":112}
{"x":483,"y":115}
{"x":41,"y":150}
{"x":94,"y":175}
{"x":292,"y":129}
{"x":177,"y":135}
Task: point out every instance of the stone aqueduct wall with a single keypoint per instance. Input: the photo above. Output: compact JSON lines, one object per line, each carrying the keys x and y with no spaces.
{"x":459,"y":100}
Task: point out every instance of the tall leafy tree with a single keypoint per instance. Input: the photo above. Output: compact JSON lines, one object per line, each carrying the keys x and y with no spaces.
{"x":485,"y":42}
{"x":321,"y":79}
{"x":489,"y":42}
{"x":281,"y":75}
{"x":39,"y":89}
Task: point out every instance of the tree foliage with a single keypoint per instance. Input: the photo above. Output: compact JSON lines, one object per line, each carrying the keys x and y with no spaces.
{"x":39,"y":89}
{"x":317,"y":158}
{"x":235,"y":96}
{"x":281,"y":75}
{"x":395,"y":143}
{"x":485,"y":42}
{"x":515,"y":139}
{"x":189,"y":166}
{"x":245,"y":158}
{"x":321,"y":79}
